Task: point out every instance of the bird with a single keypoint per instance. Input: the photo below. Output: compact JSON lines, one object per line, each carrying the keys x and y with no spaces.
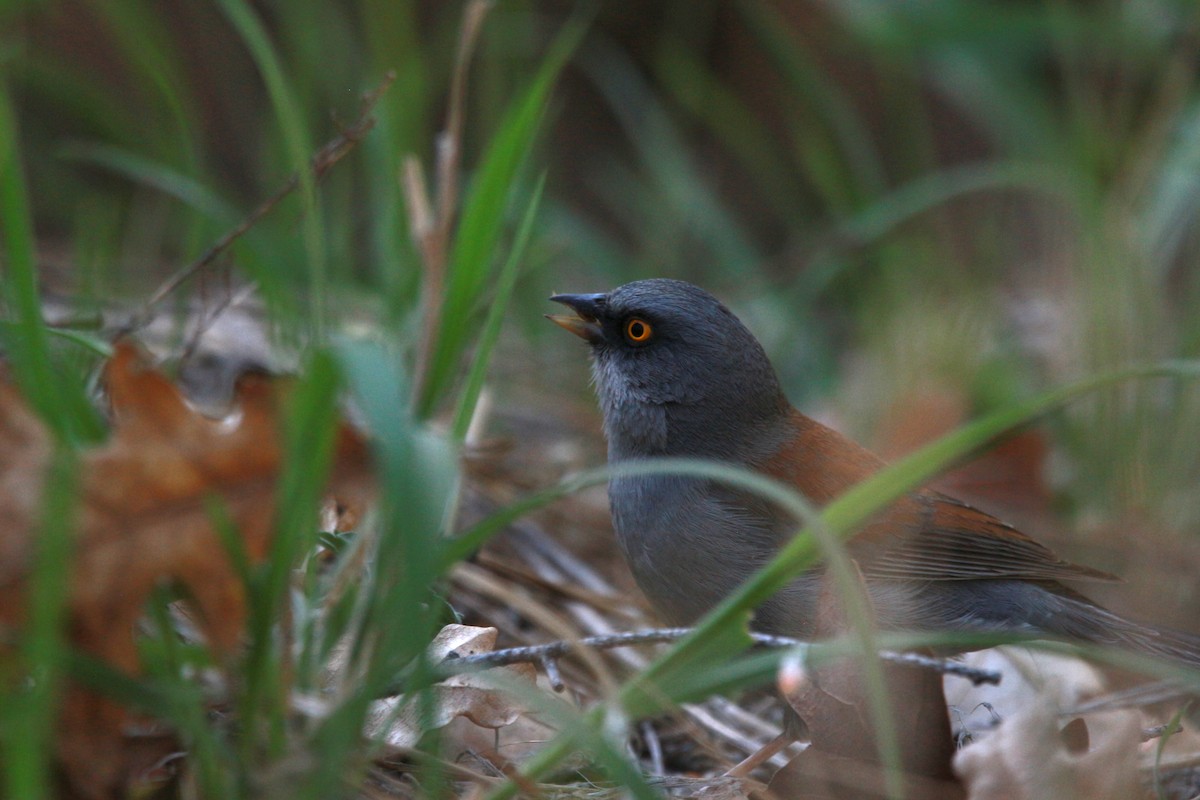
{"x":677,"y":374}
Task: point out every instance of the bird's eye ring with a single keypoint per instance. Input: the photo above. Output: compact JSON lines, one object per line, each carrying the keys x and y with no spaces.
{"x":638,"y":331}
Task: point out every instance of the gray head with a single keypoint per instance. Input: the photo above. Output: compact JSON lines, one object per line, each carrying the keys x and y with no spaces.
{"x":676,"y":372}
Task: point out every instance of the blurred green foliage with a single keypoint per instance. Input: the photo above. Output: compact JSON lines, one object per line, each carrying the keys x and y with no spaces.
{"x":986,"y":195}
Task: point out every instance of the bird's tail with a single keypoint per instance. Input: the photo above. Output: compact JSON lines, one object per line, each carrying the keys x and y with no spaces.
{"x":1082,"y":620}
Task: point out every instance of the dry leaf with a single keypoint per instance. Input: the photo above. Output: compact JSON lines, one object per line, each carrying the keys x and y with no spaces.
{"x":1024,"y":749}
{"x":1031,"y":678}
{"x":143,"y":522}
{"x":1033,"y":755}
{"x":484,"y":698}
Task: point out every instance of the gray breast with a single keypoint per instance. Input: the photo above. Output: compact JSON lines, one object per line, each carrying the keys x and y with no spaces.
{"x":690,"y":546}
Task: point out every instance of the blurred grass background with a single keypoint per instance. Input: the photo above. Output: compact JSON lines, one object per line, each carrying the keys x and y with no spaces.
{"x":925,"y":210}
{"x":934,"y":188}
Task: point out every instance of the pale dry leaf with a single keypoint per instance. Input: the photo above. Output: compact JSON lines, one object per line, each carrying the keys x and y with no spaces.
{"x":511,"y":744}
{"x":485,"y":698}
{"x":461,"y":640}
{"x":1033,"y":755}
{"x":1024,"y":749}
{"x":1031,"y":678}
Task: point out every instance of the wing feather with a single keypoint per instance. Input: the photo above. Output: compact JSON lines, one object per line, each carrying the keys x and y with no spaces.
{"x":946,"y":539}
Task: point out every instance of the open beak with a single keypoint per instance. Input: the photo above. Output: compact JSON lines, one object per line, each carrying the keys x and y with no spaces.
{"x":585,"y":324}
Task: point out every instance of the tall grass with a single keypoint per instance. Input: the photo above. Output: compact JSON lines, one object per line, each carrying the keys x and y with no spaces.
{"x":302,"y":622}
{"x":1080,"y":187}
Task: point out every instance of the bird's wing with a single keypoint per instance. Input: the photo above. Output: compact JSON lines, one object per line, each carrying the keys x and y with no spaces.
{"x":937,"y":538}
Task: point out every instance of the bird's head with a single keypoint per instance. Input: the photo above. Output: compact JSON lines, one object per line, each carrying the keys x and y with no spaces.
{"x":676,"y":372}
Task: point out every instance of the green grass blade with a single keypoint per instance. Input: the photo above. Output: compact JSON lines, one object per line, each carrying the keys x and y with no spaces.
{"x":296,"y":140}
{"x":175,"y":699}
{"x":31,"y":710}
{"x":677,"y":201}
{"x":10,"y":332}
{"x":505,"y":282}
{"x":416,"y":471}
{"x":148,"y":172}
{"x":843,"y":515}
{"x":483,"y":217}
{"x":850,"y":137}
{"x":308,"y":440}
{"x":152,"y":56}
{"x":467,"y":542}
{"x":759,"y":152}
{"x":55,"y":395}
{"x":880,"y":218}
{"x":181,"y":701}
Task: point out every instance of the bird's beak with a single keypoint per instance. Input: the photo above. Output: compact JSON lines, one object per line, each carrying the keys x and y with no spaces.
{"x":585,"y":324}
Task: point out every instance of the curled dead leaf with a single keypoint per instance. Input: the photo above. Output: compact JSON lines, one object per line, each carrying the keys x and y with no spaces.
{"x":487,"y":699}
{"x":1032,"y":756}
{"x":1024,"y":748}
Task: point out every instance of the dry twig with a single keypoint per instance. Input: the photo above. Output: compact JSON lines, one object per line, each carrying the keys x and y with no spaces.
{"x":542,"y":653}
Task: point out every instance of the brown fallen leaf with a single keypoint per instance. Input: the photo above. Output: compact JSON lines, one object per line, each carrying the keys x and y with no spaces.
{"x":143,"y":521}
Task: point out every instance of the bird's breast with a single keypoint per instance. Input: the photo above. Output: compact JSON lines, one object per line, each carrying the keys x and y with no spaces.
{"x":688,"y":543}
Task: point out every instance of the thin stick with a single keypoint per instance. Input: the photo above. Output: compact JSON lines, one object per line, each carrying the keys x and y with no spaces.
{"x":553,"y":650}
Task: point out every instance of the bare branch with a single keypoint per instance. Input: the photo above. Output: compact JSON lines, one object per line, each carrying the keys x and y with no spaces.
{"x":549,"y":653}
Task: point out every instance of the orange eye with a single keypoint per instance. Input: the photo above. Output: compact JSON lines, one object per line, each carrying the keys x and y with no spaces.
{"x":638,"y":331}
